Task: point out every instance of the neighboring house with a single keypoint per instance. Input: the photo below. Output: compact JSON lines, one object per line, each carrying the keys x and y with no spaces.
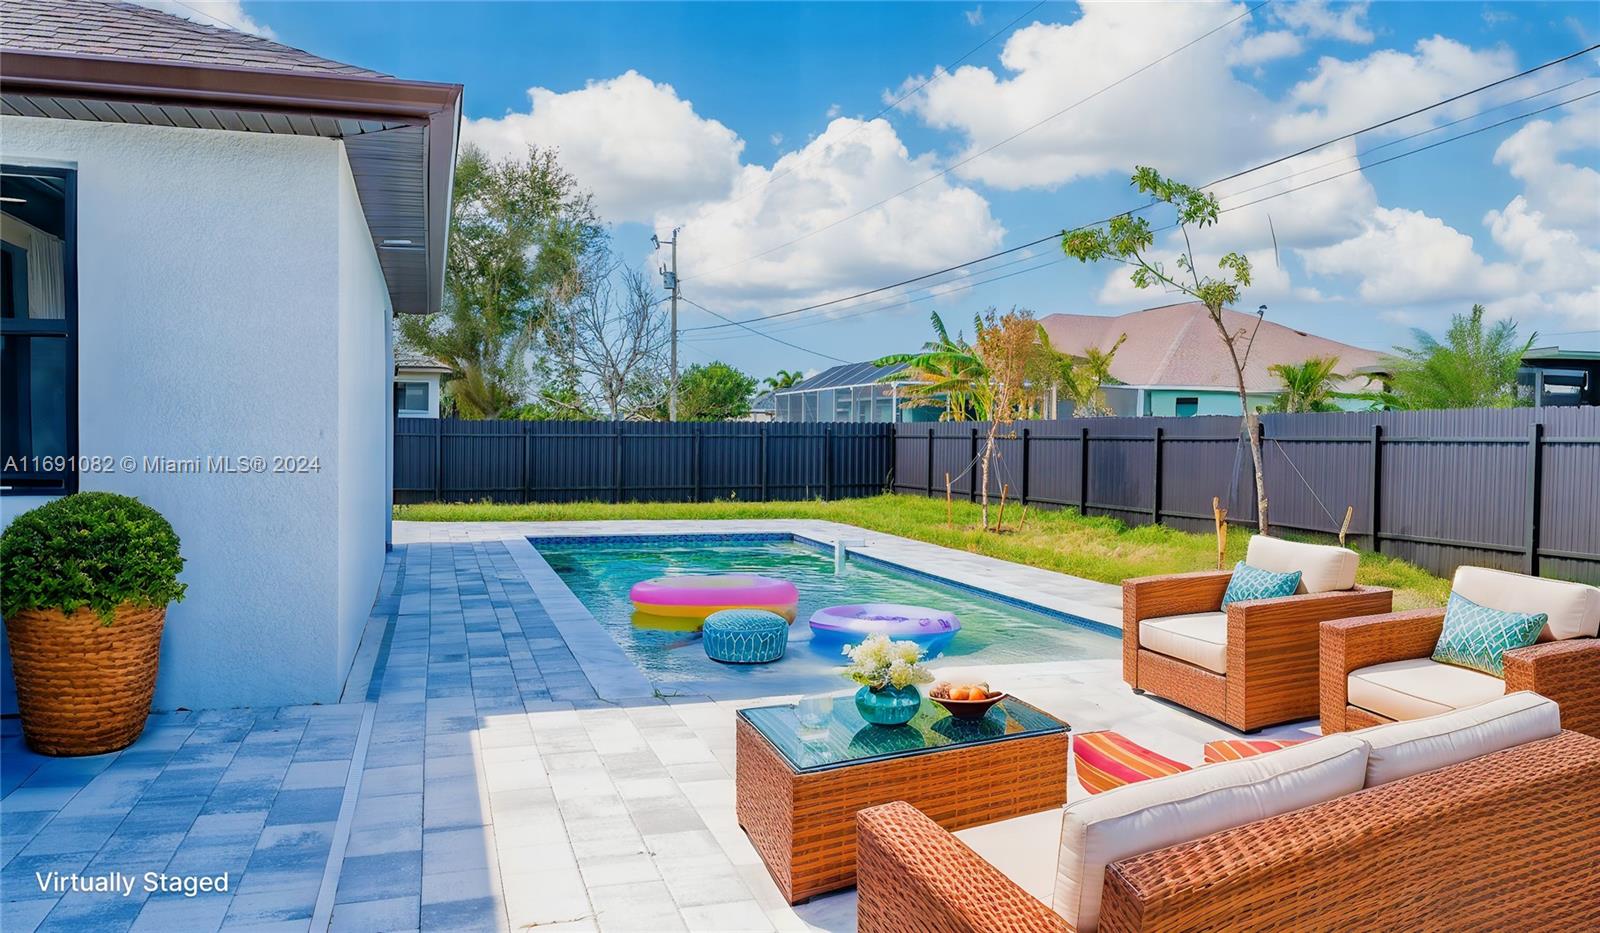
{"x":850,"y":392}
{"x":762,"y":408}
{"x":418,"y":379}
{"x":207,"y":234}
{"x":1560,"y":376}
{"x":1175,"y":363}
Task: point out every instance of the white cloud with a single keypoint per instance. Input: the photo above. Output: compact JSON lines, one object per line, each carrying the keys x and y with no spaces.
{"x":1566,"y":192}
{"x":224,"y":14}
{"x":1342,"y":96}
{"x":1189,"y":115}
{"x":848,"y":167}
{"x":776,"y":139}
{"x":634,"y":142}
{"x":974,"y":16}
{"x":1265,"y":47}
{"x":1320,"y":19}
{"x":1405,"y":256}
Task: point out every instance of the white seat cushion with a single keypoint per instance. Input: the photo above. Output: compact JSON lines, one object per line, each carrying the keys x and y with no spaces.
{"x":1150,"y":815}
{"x":1573,"y":608}
{"x":1024,"y":848}
{"x":1323,"y":567}
{"x":1401,"y":749}
{"x":1418,"y":687}
{"x":1201,"y":638}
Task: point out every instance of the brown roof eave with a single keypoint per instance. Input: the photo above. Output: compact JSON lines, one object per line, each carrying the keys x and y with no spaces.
{"x":227,"y":87}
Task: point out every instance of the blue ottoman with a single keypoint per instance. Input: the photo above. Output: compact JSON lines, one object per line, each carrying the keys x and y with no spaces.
{"x":745,"y":636}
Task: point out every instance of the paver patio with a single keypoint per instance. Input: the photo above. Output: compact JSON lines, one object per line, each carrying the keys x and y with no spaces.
{"x":496,"y":763}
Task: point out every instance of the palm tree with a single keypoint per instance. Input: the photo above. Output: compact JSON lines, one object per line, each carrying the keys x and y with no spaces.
{"x":947,"y":372}
{"x":1475,"y":367}
{"x":784,"y":379}
{"x":1308,"y":386}
{"x":1082,"y":377}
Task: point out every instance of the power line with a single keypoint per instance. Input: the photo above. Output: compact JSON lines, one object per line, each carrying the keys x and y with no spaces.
{"x":768,"y":336}
{"x":937,"y":74}
{"x":1401,"y":139}
{"x":985,"y":151}
{"x":1405,"y":116}
{"x":1275,"y":161}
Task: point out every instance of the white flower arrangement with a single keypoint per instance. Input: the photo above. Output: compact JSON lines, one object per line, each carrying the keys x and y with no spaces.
{"x":878,"y":662}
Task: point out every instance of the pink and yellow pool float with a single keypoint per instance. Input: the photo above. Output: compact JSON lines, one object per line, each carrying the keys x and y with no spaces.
{"x":695,"y":596}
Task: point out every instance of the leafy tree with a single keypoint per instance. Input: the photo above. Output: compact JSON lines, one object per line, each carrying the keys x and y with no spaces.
{"x":784,"y":379}
{"x":1475,"y":366}
{"x":1016,"y":368}
{"x":714,"y":392}
{"x":519,"y":229}
{"x":1129,"y":240}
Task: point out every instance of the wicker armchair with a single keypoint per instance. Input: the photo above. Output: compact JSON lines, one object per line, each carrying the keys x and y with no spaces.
{"x":1504,"y":841}
{"x":1257,"y":667}
{"x":1395,"y":649}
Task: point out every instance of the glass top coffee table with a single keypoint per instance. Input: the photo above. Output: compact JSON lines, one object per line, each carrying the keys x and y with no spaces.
{"x":803,"y":773}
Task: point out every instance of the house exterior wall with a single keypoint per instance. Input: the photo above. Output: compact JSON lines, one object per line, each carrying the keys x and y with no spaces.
{"x":432,"y":379}
{"x":1164,"y":402}
{"x":197,"y":250}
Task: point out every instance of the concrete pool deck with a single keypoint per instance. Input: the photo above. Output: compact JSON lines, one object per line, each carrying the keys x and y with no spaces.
{"x":497,"y":763}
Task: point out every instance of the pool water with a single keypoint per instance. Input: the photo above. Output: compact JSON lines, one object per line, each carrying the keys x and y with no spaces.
{"x":993,"y":631}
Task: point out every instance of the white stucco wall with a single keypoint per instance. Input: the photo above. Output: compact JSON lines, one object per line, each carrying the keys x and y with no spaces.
{"x":230,"y":304}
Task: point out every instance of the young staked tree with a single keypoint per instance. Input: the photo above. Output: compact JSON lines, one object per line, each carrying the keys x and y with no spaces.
{"x":519,"y":229}
{"x":1016,"y":368}
{"x":1475,"y":366}
{"x":1129,"y":240}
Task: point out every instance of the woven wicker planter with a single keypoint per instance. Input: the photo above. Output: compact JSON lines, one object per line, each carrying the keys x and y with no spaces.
{"x":84,"y":687}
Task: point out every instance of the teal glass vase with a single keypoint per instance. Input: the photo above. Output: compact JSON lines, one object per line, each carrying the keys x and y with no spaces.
{"x":888,"y":706}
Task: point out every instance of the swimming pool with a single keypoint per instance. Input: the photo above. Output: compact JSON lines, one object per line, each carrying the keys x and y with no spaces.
{"x":600,"y":571}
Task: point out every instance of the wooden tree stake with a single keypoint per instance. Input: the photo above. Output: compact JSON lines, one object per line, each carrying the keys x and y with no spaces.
{"x":1000,"y":520}
{"x":1349,"y":512}
{"x":1220,"y":516}
{"x":949,"y":518}
{"x":1024,"y":519}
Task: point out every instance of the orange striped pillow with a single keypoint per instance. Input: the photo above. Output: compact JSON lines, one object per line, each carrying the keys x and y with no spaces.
{"x":1108,"y":759}
{"x":1234,"y":749}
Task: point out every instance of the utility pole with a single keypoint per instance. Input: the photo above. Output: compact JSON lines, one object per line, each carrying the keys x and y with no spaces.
{"x":669,"y":279}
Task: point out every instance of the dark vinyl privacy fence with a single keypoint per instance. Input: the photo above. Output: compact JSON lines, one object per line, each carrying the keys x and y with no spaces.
{"x":445,"y":460}
{"x":1517,"y":489}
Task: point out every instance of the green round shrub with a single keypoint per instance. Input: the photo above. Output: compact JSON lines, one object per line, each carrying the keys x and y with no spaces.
{"x":94,"y":549}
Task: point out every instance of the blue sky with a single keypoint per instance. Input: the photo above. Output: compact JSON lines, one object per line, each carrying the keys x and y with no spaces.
{"x":678,"y":112}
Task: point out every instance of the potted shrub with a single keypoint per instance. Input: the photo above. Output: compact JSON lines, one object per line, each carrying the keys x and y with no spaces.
{"x":87,"y":581}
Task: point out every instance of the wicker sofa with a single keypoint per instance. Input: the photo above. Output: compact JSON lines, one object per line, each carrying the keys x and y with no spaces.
{"x":1254,"y":664}
{"x":1379,"y":669}
{"x":1497,"y":830}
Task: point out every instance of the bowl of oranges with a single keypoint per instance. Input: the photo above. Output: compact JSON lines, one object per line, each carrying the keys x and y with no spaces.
{"x":965,"y":701}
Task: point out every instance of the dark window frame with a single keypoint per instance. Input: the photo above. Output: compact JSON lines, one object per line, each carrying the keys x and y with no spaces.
{"x":1182,"y":401}
{"x":65,"y":328}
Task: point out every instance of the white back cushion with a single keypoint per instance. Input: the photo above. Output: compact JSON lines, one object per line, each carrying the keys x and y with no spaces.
{"x":1573,"y":608}
{"x":1322,"y":567}
{"x":1401,"y":749}
{"x":1150,"y":815}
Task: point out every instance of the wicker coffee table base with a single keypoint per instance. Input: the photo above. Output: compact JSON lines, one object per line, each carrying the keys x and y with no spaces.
{"x":804,"y":824}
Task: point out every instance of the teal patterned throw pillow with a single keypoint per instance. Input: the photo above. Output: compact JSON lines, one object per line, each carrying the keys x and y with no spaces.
{"x":1476,"y":636}
{"x":1254,"y":583}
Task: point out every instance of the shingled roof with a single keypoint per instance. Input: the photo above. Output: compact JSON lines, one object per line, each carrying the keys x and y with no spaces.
{"x":127,"y":30}
{"x":1178,"y":345}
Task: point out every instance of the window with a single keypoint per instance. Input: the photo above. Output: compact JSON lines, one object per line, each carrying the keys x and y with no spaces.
{"x":1188,"y":406}
{"x":411,"y":398}
{"x":38,"y":331}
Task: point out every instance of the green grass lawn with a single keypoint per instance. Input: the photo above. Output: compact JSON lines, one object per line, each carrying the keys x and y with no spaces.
{"x":1096,"y":548}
